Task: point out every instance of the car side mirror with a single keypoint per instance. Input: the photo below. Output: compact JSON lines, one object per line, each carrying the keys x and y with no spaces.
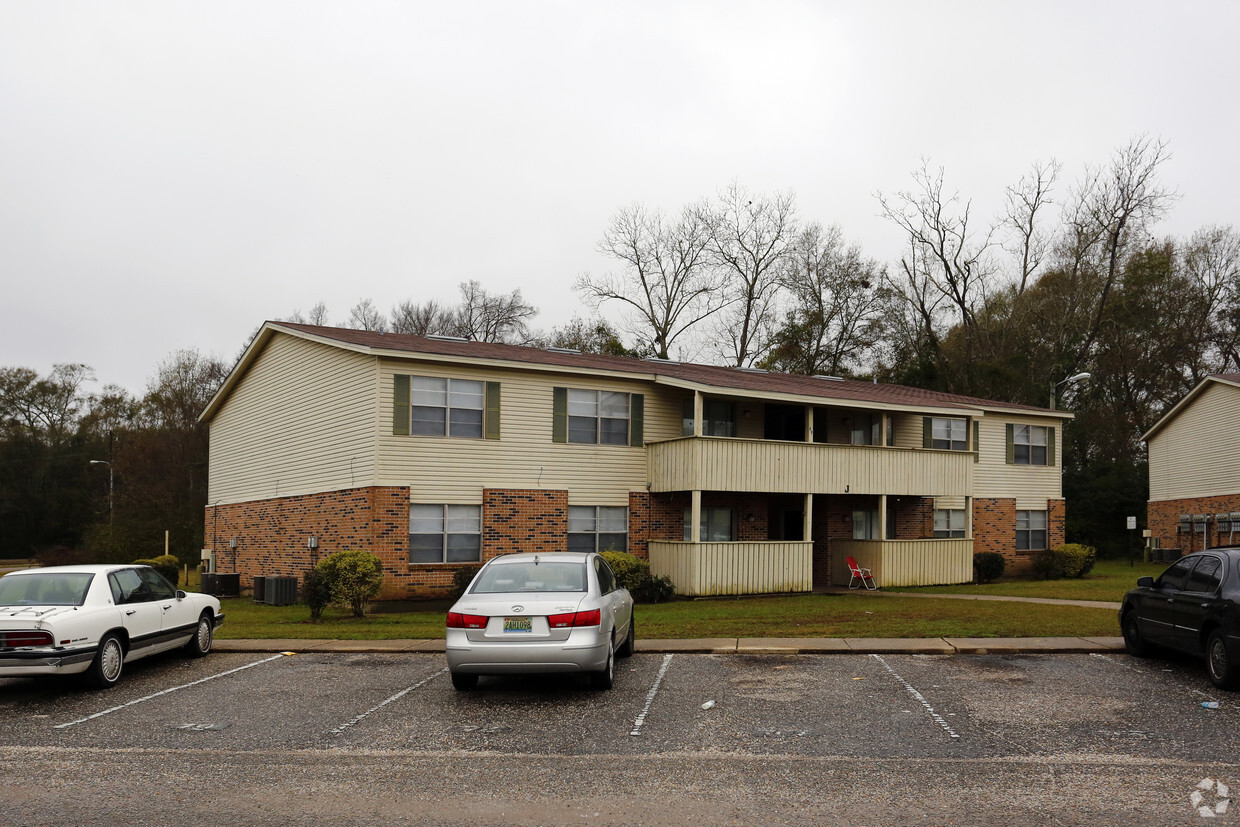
{"x":180,"y":595}
{"x":1145,"y":582}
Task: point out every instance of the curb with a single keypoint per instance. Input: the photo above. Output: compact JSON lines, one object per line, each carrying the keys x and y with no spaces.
{"x":740,"y":646}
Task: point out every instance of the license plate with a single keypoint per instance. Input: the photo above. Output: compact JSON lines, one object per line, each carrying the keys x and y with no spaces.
{"x":518,"y":624}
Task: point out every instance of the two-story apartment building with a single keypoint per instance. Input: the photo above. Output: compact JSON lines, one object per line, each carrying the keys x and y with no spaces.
{"x":1194,"y":454}
{"x":434,"y":452}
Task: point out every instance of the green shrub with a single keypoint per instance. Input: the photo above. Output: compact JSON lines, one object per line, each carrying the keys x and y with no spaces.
{"x":656,"y":589}
{"x":1049,"y":565}
{"x":316,"y":592}
{"x":461,"y":578}
{"x":988,"y":566}
{"x":1078,"y":560}
{"x":631,"y":571}
{"x":353,"y":577}
{"x":165,"y":564}
{"x":634,"y":574}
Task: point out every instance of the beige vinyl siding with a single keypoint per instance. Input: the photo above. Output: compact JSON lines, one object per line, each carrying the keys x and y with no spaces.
{"x":299,"y":422}
{"x":993,"y":477}
{"x":1197,"y":454}
{"x":455,"y":470}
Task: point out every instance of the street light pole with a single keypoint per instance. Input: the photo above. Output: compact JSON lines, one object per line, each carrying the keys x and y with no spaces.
{"x":111,"y":497}
{"x":1055,"y":385}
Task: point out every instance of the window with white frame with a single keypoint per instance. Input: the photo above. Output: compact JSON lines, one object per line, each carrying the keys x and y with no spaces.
{"x":446,"y":407}
{"x":1029,"y":444}
{"x":948,"y":434}
{"x":445,"y":533}
{"x":1030,"y":530}
{"x":718,"y":418}
{"x":865,"y":524}
{"x":600,"y":417}
{"x":598,"y":528}
{"x":949,"y":522}
{"x":716,"y":525}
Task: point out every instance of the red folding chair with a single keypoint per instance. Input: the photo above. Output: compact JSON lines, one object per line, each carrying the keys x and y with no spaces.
{"x":860,"y":576}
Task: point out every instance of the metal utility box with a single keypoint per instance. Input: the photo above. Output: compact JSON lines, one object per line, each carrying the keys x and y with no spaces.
{"x":280,"y":591}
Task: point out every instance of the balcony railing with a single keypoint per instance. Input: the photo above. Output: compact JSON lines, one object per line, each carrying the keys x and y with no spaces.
{"x":700,"y":569}
{"x":725,"y":464}
{"x":905,"y":562}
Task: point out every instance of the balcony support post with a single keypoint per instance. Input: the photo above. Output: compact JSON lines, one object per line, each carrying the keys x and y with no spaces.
{"x":807,"y":533}
{"x":695,"y":515}
{"x":697,"y":420}
{"x":882,"y":517}
{"x":968,"y":517}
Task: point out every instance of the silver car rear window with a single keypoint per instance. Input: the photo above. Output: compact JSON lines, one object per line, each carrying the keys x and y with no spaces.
{"x":542,"y":576}
{"x":50,"y":589}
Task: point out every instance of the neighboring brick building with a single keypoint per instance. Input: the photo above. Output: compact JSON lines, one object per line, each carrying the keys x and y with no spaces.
{"x":437,"y":454}
{"x":1194,"y":467}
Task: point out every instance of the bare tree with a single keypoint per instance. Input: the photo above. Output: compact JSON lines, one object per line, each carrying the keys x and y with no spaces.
{"x":665,"y":282}
{"x":750,"y":236}
{"x":486,"y":317}
{"x":1113,"y":209}
{"x":428,"y":318}
{"x":317,"y":316}
{"x":1026,"y":204}
{"x":592,"y":335}
{"x":365,"y":316}
{"x":1212,"y":263}
{"x":945,"y":251}
{"x":838,"y":300}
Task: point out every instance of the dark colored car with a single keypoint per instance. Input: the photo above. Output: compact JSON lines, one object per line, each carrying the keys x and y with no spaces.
{"x":1193,"y":607}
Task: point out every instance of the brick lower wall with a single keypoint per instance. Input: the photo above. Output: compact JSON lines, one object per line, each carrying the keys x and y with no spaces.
{"x":994,"y":529}
{"x":1163,"y":520}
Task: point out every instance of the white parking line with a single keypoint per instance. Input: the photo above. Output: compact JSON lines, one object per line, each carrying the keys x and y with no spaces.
{"x":165,"y":692}
{"x":402,"y":693}
{"x":654,"y":690}
{"x":938,"y":719}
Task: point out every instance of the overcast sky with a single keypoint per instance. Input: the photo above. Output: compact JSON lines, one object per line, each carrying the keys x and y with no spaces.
{"x":174,"y":173}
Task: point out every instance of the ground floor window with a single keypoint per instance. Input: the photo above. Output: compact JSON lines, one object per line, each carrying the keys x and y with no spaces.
{"x":598,"y":528}
{"x":445,"y":533}
{"x":949,"y":522}
{"x":865,"y":524}
{"x":716,"y":525}
{"x":1030,"y":530}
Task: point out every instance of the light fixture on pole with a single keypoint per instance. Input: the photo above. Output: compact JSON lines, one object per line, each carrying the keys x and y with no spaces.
{"x":111,"y":498}
{"x":1080,"y":377}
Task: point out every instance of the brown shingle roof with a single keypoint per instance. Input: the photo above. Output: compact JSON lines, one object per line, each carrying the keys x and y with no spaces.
{"x":707,"y":375}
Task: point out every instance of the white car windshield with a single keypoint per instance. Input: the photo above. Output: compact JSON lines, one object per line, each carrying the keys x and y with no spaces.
{"x":528,"y":576}
{"x":49,"y":589}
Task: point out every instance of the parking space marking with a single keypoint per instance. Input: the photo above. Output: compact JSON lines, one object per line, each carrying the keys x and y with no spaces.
{"x":938,"y":719}
{"x":402,"y":693}
{"x":166,"y":691}
{"x":640,"y":721}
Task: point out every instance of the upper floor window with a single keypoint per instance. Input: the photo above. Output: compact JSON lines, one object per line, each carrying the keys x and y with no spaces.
{"x":598,"y":528}
{"x":439,"y":406}
{"x":718,"y":418}
{"x":596,"y":417}
{"x":1030,"y":445}
{"x":948,"y":434}
{"x":866,"y":429}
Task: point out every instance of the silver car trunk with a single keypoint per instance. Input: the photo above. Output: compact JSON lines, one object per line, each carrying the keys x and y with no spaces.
{"x":519,"y":605}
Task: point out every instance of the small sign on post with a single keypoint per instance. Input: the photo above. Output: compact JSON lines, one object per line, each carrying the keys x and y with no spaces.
{"x":1132,"y":526}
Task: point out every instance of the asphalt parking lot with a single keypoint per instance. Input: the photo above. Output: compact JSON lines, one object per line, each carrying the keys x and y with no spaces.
{"x":1140,"y":722}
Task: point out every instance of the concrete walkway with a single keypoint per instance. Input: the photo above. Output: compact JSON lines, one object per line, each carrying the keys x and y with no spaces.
{"x":741,"y":646}
{"x":1092,"y":604}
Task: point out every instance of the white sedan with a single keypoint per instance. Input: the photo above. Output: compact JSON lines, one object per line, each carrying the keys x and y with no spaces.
{"x":65,"y":620}
{"x":538,"y":613}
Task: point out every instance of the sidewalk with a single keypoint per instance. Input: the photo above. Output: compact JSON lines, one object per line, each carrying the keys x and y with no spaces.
{"x":742,"y":646}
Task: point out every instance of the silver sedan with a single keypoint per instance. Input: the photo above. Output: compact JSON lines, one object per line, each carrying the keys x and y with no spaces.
{"x":540,"y":613}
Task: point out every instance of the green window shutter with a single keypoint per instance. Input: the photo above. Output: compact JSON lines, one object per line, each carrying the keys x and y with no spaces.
{"x":1050,"y":446}
{"x":927,"y":432}
{"x":559,"y":415}
{"x":490,"y":426}
{"x":400,"y":405}
{"x":977,"y":441}
{"x":1011,"y":444}
{"x":637,"y":419}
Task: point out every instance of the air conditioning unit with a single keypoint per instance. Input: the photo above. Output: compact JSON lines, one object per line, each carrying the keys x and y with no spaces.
{"x":259,"y":589}
{"x":280,"y":591}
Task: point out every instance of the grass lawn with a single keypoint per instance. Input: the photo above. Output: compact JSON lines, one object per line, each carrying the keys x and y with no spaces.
{"x":835,"y":615}
{"x":1108,"y":581}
